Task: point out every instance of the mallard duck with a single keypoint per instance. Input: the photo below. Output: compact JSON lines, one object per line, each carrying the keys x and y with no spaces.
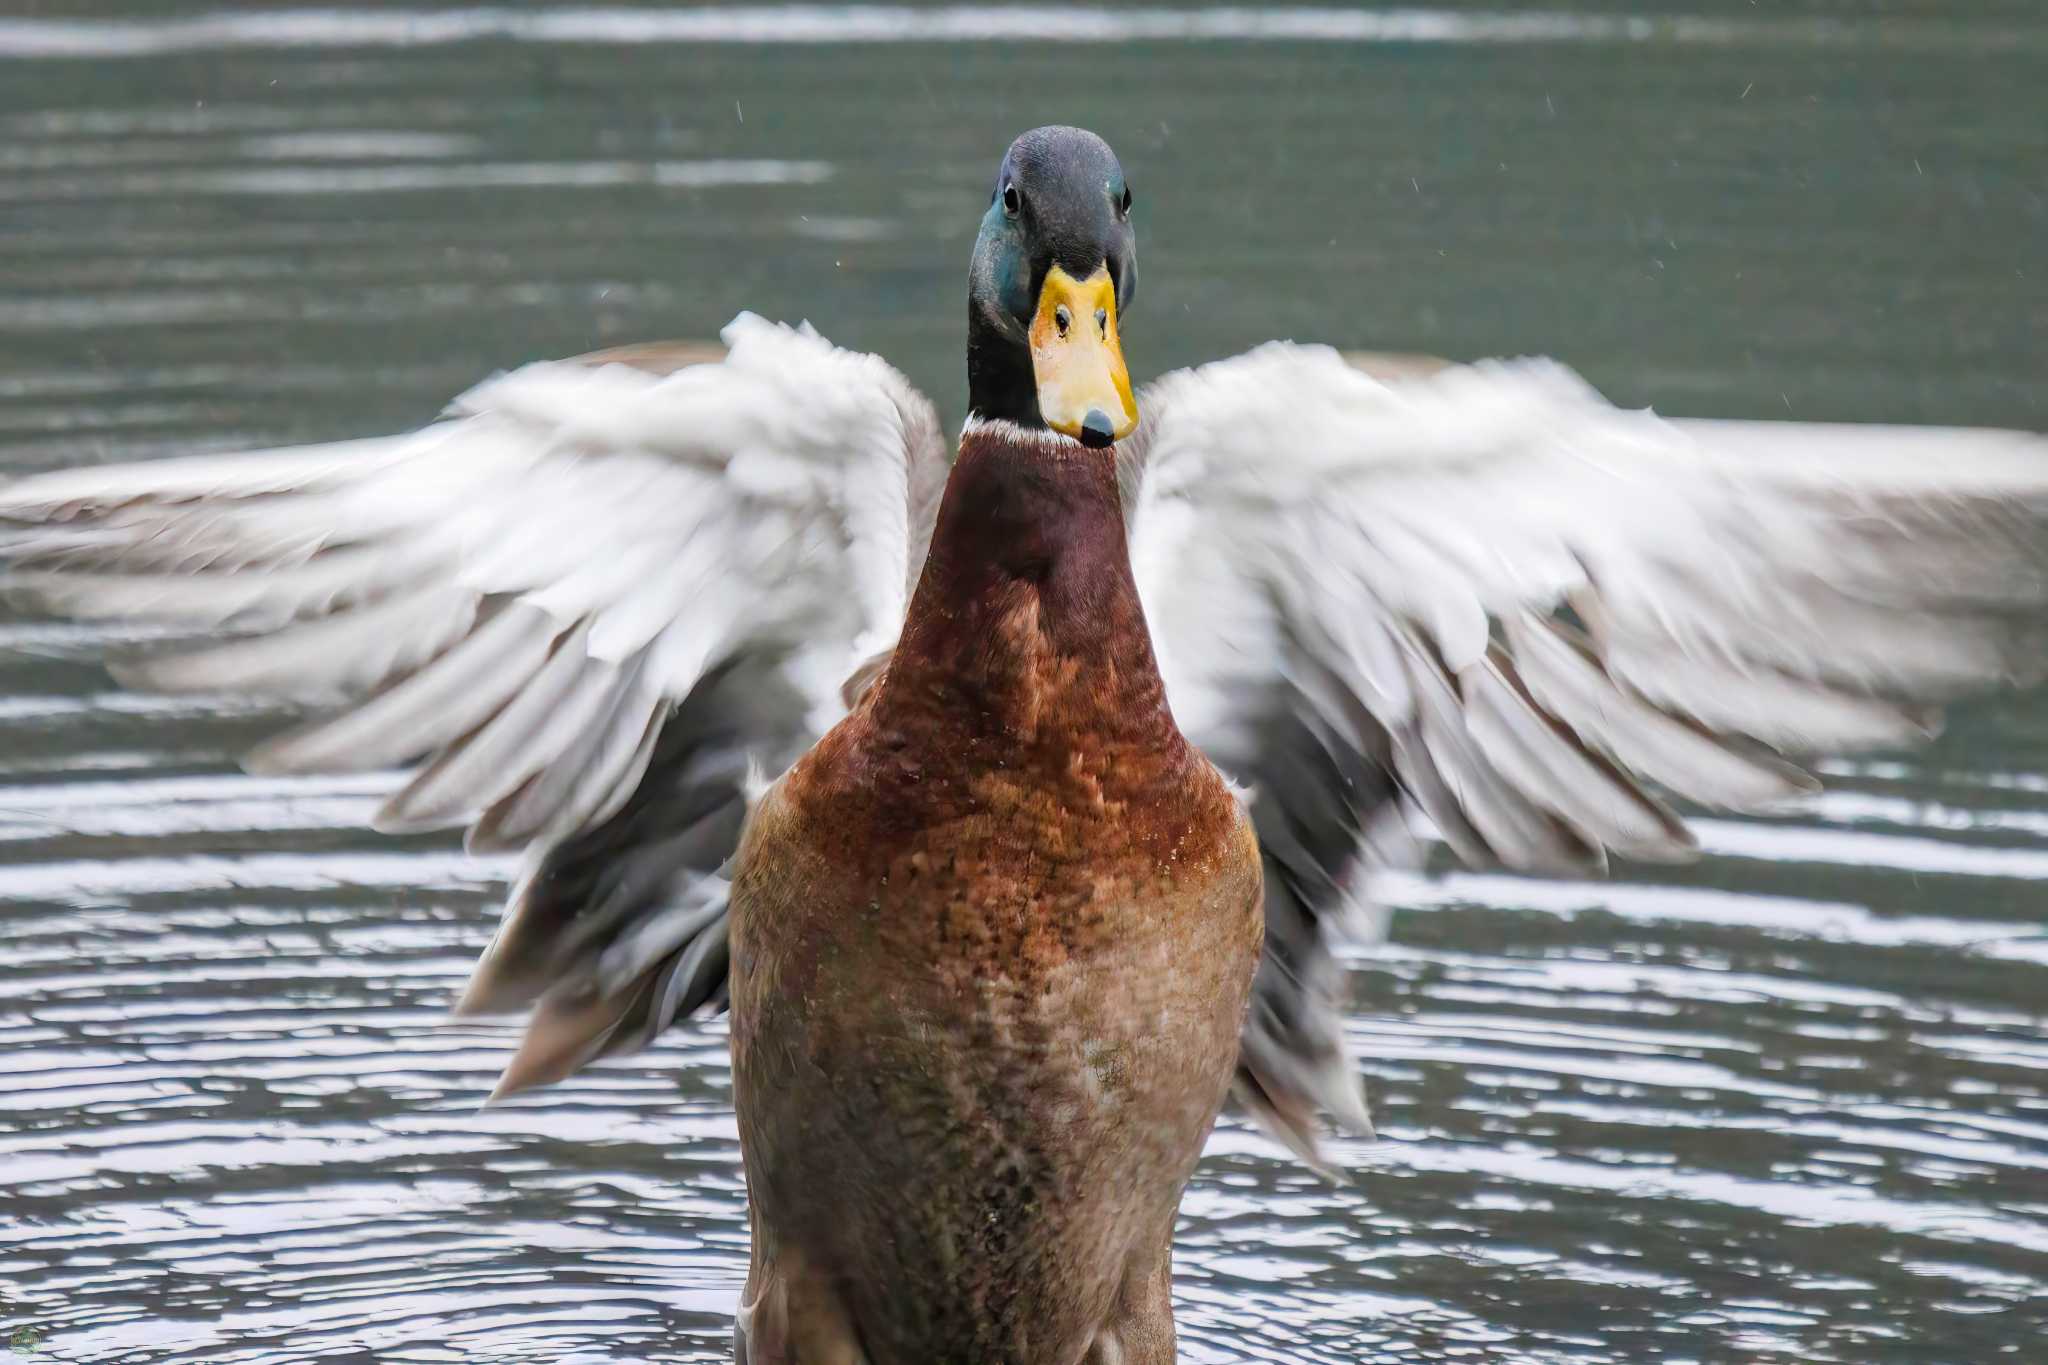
{"x":1013,"y":797}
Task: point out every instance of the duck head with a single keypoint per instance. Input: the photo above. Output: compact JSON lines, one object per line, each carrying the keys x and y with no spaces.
{"x":1055,"y":265}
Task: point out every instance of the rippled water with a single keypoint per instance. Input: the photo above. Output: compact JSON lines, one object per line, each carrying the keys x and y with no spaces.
{"x":1786,"y":1103}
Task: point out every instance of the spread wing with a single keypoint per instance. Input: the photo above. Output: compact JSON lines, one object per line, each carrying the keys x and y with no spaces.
{"x":1487,"y":595}
{"x":581,"y":605}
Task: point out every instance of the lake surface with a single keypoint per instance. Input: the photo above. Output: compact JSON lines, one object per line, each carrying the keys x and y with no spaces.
{"x":1790,"y":1103}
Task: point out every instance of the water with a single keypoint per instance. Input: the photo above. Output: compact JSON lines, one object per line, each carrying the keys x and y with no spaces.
{"x":1784,"y":1104}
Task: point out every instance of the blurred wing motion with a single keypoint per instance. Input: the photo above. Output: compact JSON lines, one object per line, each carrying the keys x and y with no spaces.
{"x":591,"y":598}
{"x":1487,"y":595}
{"x":582,"y":603}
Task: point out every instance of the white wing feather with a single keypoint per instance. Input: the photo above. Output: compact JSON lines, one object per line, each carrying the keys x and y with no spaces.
{"x":1808,"y":587}
{"x":571,"y":535}
{"x":523,"y":596}
{"x":1486,"y":593}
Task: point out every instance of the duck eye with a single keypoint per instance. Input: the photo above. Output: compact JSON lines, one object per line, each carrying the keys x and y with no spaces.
{"x":1125,"y":207}
{"x":1012,"y":201}
{"x":1062,"y":319}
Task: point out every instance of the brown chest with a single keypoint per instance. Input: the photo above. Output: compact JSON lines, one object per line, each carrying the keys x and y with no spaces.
{"x":990,"y":852}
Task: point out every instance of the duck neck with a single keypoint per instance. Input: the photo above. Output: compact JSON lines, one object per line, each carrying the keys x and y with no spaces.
{"x":1001,"y":386}
{"x":1025,"y":627}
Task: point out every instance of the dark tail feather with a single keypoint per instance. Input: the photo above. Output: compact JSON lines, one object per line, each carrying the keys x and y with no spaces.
{"x":620,"y":931}
{"x":1292,"y":1061}
{"x":1311,"y":798}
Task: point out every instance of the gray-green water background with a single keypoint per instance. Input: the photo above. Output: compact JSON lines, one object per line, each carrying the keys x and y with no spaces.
{"x":1784,"y":1104}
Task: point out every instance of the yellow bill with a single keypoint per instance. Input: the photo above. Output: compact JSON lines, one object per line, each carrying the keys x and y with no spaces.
{"x":1083,"y":389}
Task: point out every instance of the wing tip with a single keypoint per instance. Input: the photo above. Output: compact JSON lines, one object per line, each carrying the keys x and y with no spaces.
{"x":397,"y":815}
{"x":141,"y":672}
{"x":1289,"y":1117}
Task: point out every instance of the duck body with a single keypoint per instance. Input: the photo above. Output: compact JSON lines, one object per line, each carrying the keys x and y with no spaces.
{"x":993,"y":940}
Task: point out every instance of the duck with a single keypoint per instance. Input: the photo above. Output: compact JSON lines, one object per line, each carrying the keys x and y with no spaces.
{"x":1016,"y":796}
